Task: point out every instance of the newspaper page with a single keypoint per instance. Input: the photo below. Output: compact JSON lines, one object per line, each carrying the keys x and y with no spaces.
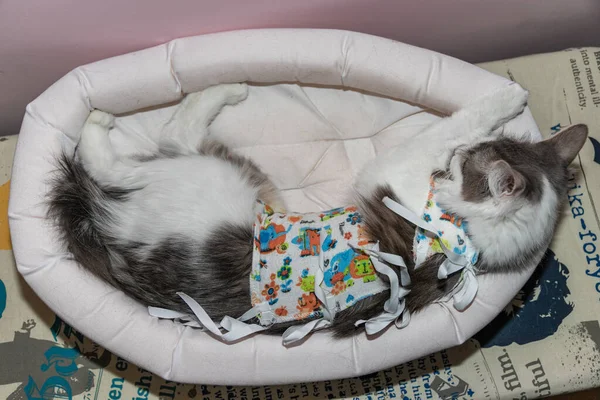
{"x":546,"y":342}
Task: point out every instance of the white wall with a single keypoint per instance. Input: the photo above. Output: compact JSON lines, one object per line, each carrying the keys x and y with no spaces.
{"x":41,"y":41}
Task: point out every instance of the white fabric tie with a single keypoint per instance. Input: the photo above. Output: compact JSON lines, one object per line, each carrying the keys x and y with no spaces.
{"x":395,"y":306}
{"x":466,"y":289}
{"x":379,"y":256}
{"x":237,"y":329}
{"x":299,"y":332}
{"x":183,"y":318}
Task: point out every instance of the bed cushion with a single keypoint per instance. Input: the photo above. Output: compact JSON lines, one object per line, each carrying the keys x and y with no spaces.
{"x":345,"y":97}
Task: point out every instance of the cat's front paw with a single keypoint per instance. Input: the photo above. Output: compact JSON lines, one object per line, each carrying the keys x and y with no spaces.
{"x":190,"y":101}
{"x":447,"y":193}
{"x":512,"y":100}
{"x":504,"y":104}
{"x":101,"y":118}
{"x":219,"y":95}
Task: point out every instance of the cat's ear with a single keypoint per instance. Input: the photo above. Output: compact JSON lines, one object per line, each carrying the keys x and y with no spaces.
{"x":504,"y":180}
{"x":568,"y":142}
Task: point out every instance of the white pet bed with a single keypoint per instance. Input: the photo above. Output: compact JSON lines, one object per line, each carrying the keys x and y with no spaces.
{"x":316,"y":137}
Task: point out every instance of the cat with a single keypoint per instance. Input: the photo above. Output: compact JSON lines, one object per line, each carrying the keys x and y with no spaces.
{"x":182,"y":219}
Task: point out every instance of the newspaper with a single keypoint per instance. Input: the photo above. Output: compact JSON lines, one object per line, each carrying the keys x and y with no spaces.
{"x":546,"y":342}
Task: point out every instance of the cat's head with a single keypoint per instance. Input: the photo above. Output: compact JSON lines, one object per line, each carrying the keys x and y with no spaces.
{"x":504,"y":174}
{"x":506,"y":187}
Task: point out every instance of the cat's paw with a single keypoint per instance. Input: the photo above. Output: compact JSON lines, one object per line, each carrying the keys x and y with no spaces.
{"x":279,"y":208}
{"x":512,"y":100}
{"x":237,"y":92}
{"x":101,"y":118}
{"x":272,"y":197}
{"x":447,"y":192}
{"x":232,"y":93}
{"x":503,"y":105}
{"x":229,"y":94}
{"x":190,"y":100}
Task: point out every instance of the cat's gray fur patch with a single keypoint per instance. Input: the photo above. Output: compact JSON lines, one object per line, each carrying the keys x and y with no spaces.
{"x":75,"y":204}
{"x":215,"y":273}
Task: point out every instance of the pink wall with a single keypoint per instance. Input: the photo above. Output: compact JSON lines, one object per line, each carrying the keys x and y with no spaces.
{"x":41,"y":41}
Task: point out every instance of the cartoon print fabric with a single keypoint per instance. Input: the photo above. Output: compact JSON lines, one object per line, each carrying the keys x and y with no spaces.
{"x":289,"y":249}
{"x":452,"y":231}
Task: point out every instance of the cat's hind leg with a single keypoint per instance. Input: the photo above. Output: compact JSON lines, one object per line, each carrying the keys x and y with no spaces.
{"x":94,"y":150}
{"x":188,"y":126}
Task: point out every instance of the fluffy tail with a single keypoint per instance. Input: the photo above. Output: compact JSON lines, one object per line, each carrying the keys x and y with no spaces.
{"x":78,"y":205}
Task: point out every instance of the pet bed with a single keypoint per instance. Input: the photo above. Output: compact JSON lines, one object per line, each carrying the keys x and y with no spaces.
{"x":299,"y":123}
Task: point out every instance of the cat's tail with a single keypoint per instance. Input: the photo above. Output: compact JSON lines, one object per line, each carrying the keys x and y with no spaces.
{"x":79,"y":208}
{"x":426,"y":287}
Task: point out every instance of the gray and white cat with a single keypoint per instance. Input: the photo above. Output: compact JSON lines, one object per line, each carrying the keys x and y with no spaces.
{"x":182,"y":220}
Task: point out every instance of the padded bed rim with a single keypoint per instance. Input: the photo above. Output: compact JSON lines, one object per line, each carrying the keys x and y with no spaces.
{"x":163,"y":74}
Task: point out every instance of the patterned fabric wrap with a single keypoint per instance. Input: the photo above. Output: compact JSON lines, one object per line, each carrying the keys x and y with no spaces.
{"x":452,"y":230}
{"x":290,"y":248}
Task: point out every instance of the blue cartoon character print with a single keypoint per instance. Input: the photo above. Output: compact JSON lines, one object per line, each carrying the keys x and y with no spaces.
{"x":272,"y":238}
{"x":339,"y":268}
